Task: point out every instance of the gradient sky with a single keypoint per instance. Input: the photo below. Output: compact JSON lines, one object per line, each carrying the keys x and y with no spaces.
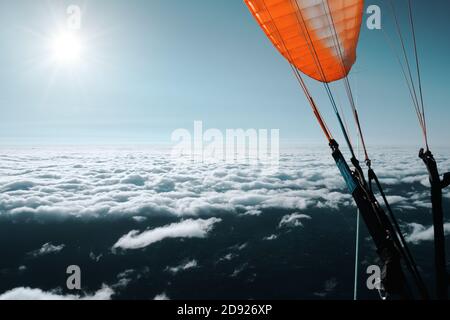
{"x":152,"y":66}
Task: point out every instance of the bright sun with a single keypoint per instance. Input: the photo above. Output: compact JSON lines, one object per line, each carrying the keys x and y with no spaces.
{"x":66,"y":48}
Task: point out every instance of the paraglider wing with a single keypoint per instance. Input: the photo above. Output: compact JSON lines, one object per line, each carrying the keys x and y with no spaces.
{"x":318,"y":37}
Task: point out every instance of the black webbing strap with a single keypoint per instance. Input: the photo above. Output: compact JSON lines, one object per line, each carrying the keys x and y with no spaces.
{"x":446,"y":180}
{"x":398,"y":237}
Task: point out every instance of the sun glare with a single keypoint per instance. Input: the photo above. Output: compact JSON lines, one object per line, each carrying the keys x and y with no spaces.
{"x":66,"y":48}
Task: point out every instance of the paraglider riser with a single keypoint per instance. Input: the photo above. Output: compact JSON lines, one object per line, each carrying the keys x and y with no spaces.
{"x":442,"y":278}
{"x":377,"y":224}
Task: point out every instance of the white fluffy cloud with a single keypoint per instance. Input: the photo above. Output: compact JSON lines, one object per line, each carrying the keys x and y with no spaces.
{"x":161,"y":296}
{"x":421,"y":233}
{"x":293,"y":220}
{"x":190,"y":228}
{"x":47,"y":248}
{"x":271,"y":237}
{"x":24,"y":293}
{"x":184,"y":266}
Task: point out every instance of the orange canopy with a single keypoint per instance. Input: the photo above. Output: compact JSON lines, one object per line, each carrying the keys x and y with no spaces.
{"x":319,"y":37}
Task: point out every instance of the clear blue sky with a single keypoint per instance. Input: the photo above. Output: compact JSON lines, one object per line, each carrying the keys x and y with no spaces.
{"x":152,"y":66}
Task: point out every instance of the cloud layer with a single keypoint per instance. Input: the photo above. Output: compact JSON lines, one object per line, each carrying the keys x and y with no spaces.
{"x":149,"y":188}
{"x":138,"y":182}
